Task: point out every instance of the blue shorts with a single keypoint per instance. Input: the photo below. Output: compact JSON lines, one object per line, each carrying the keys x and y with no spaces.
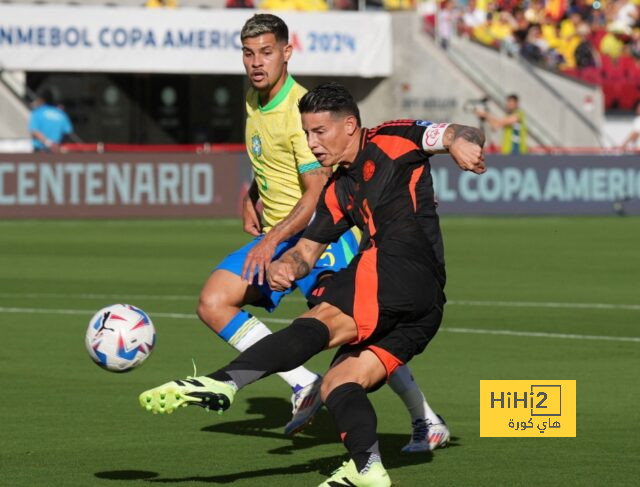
{"x":337,"y":256}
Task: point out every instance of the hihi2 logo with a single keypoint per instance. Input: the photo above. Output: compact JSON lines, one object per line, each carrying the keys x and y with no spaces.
{"x":525,"y":408}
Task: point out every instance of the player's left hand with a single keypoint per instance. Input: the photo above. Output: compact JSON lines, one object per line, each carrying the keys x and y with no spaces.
{"x":258,"y":259}
{"x":469,"y":156}
{"x":280,"y":275}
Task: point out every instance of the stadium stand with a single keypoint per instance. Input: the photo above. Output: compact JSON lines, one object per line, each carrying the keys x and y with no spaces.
{"x":298,"y":5}
{"x":596,"y":42}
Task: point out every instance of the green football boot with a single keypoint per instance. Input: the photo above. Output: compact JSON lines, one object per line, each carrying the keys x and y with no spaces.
{"x":198,"y":391}
{"x":348,"y":476}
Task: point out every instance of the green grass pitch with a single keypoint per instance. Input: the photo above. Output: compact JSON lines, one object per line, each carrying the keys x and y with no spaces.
{"x":575,"y":282}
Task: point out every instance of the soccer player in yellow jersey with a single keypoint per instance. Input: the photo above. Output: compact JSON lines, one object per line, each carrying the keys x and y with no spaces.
{"x":288,"y":181}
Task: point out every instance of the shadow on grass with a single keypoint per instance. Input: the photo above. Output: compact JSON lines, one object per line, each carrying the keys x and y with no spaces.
{"x":126,"y":475}
{"x":275,"y":412}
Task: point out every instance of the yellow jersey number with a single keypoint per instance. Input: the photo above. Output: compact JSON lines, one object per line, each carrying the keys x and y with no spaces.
{"x":329,"y":255}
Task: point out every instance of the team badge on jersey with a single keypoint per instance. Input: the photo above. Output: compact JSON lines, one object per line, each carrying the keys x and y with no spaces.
{"x":256,"y":145}
{"x":368,"y":169}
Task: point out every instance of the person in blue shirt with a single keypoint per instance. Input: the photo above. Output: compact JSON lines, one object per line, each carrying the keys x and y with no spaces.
{"x":48,"y":124}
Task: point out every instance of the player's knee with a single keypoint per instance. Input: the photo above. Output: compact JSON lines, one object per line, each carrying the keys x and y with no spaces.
{"x":311,"y":330}
{"x":210,"y":306}
{"x":333,"y":380}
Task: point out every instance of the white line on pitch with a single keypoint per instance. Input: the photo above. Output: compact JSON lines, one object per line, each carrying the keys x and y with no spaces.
{"x":452,"y":302}
{"x":543,"y":304}
{"x":477,"y":331}
{"x":132,"y":297}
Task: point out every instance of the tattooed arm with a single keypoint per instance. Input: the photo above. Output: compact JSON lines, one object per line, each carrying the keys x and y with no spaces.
{"x":465,"y":145}
{"x":262,"y":253}
{"x":294,"y":264}
{"x":313,"y":182}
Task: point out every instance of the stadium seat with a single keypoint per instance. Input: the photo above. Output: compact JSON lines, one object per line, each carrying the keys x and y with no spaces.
{"x":611,"y":69}
{"x":612,"y":93}
{"x":629,"y":94}
{"x":629,"y":65}
{"x":591,"y":75}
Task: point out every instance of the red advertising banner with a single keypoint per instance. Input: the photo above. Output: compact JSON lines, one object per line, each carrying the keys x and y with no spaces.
{"x":122,"y":185}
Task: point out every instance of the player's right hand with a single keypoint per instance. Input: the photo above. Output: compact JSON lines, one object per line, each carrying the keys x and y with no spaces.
{"x":250,"y":218}
{"x":257,"y":260}
{"x":468,"y":155}
{"x":280,"y":275}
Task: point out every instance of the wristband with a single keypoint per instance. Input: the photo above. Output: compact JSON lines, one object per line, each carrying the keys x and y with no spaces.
{"x":433,"y":138}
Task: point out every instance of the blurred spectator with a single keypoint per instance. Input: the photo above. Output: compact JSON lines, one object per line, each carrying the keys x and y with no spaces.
{"x":161,"y":3}
{"x":398,"y":4}
{"x":535,"y":46}
{"x":585,"y":54}
{"x":569,"y":26}
{"x":472,"y":17}
{"x":634,"y":135}
{"x":611,"y":45}
{"x":48,"y":124}
{"x":345,"y":4}
{"x":303,"y":5}
{"x":239,"y":4}
{"x":556,"y":9}
{"x":626,"y":16}
{"x":535,"y":12}
{"x":513,"y":125}
{"x":498,"y":32}
{"x":522,"y":25}
{"x":445,"y":24}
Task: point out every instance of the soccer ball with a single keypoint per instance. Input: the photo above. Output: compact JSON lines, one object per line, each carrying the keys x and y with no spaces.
{"x":120,"y":337}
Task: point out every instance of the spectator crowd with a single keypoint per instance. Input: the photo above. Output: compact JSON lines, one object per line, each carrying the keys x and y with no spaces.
{"x":597,"y":41}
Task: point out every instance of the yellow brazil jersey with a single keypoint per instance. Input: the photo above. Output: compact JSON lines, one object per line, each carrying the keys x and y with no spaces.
{"x":277,"y":147}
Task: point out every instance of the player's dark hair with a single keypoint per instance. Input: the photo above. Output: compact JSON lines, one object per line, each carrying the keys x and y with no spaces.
{"x":513,"y":97}
{"x":329,"y":97}
{"x":265,"y":24}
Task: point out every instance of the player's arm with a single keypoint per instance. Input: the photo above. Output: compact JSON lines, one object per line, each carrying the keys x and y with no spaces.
{"x":250,"y":218}
{"x":463,"y":142}
{"x":48,"y":143}
{"x":329,"y":223}
{"x":297,"y":220}
{"x":299,"y":217}
{"x":497,"y":122}
{"x":294,"y":264}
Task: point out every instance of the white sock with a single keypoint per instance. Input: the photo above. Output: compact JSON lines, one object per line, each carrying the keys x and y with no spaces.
{"x":244,"y":330}
{"x":402,"y":383}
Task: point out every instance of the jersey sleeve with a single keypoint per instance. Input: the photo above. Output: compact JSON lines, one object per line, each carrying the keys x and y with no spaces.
{"x":427,"y":135}
{"x":305,"y":160}
{"x":330,"y":221}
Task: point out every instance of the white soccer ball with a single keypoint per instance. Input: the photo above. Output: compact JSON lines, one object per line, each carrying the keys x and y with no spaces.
{"x":120,"y":337}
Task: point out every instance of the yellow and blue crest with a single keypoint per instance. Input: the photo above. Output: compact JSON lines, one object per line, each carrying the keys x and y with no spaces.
{"x":256,"y":145}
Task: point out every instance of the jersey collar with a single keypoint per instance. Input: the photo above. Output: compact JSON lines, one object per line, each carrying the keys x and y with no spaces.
{"x":357,"y":162}
{"x":281,"y":95}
